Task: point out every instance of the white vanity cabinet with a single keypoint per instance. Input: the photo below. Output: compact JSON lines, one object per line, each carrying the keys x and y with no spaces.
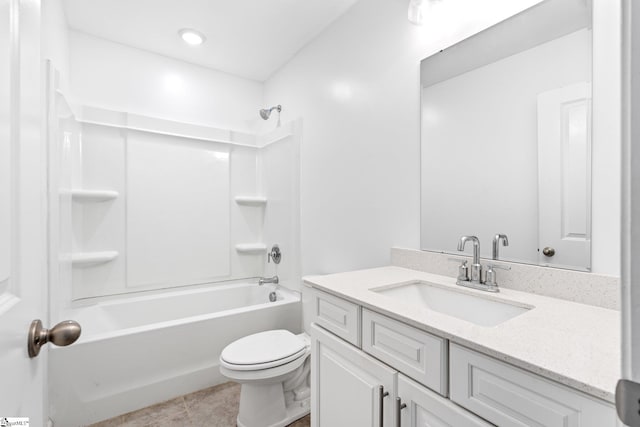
{"x":441,"y":383}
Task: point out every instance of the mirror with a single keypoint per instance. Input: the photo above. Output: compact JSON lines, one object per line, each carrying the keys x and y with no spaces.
{"x":506,"y":138}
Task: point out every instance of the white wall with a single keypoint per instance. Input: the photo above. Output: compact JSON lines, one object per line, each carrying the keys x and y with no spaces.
{"x":121,"y":78}
{"x":357,"y":87}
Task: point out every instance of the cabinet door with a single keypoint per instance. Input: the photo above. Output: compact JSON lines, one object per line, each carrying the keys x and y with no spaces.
{"x":428,"y":409}
{"x":346,"y":385}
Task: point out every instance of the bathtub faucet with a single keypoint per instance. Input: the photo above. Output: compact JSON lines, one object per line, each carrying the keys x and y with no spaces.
{"x":264,"y":280}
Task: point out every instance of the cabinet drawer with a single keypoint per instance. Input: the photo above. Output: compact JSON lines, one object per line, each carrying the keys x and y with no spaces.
{"x":336,"y":315}
{"x":509,"y":396}
{"x":416,"y":353}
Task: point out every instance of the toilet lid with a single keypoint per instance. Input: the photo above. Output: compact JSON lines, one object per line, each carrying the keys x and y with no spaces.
{"x":263,"y":347}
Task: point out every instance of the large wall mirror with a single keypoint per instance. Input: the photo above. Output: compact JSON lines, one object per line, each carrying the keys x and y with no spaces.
{"x":506,"y":138}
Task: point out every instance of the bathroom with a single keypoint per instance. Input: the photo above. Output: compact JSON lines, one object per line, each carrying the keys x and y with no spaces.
{"x":241,"y":213}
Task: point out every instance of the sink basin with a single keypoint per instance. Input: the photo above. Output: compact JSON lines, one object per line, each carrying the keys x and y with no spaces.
{"x":463,"y":305}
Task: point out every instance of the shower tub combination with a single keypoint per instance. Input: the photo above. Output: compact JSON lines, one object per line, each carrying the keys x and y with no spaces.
{"x":143,"y":350}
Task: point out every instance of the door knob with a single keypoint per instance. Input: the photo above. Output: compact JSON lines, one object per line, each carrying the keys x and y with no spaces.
{"x":64,"y":333}
{"x":549,"y":251}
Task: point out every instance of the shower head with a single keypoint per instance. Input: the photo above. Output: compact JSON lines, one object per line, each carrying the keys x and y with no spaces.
{"x":266,"y":112}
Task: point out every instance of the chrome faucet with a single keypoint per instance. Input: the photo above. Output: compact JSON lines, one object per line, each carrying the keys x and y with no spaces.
{"x":264,"y":280}
{"x":495,"y":254}
{"x":476,"y":268}
{"x":475,"y":280}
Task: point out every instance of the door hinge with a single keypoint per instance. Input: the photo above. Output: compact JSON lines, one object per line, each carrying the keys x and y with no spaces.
{"x":628,"y":402}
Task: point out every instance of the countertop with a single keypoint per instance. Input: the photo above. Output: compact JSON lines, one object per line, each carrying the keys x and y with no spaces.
{"x":574,"y":344}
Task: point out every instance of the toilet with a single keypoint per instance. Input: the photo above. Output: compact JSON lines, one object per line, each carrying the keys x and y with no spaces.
{"x":273,"y":368}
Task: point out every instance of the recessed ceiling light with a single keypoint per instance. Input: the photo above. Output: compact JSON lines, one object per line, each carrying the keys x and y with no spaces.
{"x":192,"y":37}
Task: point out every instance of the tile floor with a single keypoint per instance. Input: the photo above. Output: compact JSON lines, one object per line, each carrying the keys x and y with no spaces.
{"x":212,"y":407}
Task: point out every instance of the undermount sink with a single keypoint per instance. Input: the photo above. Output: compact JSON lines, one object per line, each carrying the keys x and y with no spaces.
{"x":473,"y":308}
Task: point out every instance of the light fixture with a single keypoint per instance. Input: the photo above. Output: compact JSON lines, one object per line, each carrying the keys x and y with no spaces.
{"x":191,"y":37}
{"x":419,"y":8}
{"x":415,"y":12}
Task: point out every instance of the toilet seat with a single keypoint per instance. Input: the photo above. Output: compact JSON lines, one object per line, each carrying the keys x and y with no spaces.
{"x":263,"y":350}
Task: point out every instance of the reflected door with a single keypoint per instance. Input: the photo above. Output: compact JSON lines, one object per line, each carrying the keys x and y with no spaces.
{"x":564,"y":176}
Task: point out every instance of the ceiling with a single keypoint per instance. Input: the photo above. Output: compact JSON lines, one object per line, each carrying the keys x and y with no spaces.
{"x":248,"y":38}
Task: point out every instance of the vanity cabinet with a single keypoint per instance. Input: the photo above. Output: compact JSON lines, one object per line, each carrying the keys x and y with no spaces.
{"x":441,"y":383}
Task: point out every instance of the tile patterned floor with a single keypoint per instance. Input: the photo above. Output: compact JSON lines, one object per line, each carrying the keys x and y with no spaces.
{"x":213,"y":407}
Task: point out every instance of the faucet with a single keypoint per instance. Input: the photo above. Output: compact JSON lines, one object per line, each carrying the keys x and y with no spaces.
{"x":476,"y":268}
{"x":476,"y":281}
{"x":495,"y":254}
{"x":264,"y":280}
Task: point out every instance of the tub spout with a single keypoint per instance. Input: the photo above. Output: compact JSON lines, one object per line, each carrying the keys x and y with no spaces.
{"x":264,"y":280}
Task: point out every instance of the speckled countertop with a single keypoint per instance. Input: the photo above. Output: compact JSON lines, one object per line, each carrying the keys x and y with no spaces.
{"x":574,"y":344}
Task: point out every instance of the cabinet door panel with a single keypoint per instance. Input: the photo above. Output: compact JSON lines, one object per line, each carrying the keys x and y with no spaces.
{"x":427,"y":409}
{"x":346,"y":384}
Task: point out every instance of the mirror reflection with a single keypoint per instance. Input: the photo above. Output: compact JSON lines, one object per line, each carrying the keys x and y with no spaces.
{"x":506,"y":139}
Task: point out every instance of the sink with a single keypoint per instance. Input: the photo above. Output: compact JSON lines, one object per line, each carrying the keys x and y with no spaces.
{"x":467,"y":306}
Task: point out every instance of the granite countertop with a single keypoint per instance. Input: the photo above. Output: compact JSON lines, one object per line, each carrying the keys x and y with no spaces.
{"x":574,"y":344}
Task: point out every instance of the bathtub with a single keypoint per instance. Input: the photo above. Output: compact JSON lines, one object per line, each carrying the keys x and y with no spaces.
{"x":138,"y":351}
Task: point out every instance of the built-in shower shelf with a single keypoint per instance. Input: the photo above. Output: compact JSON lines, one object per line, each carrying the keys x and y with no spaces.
{"x":93,"y":195}
{"x":251,"y":200}
{"x":87,"y":259}
{"x":251,"y":248}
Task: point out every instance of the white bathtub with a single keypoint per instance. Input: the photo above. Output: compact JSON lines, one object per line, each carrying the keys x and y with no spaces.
{"x":143,"y":350}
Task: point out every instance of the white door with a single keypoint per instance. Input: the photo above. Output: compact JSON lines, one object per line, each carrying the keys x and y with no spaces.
{"x":564,"y":176}
{"x":22,"y":211}
{"x":347,"y":385}
{"x":425,"y":408}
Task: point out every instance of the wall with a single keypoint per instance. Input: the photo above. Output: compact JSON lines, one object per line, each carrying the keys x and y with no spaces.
{"x":121,"y":78}
{"x":357,"y":87}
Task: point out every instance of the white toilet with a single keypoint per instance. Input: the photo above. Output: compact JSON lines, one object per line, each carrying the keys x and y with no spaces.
{"x":273,"y":368}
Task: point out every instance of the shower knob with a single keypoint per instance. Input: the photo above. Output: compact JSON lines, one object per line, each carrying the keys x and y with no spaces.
{"x":64,"y":333}
{"x":274,"y":255}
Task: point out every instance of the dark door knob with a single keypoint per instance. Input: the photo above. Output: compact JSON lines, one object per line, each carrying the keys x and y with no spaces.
{"x":548,"y":251}
{"x":64,"y":333}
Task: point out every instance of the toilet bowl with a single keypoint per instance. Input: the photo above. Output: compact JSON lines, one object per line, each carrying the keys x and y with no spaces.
{"x":273,"y":368}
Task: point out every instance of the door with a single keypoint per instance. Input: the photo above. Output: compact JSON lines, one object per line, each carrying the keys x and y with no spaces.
{"x":425,"y":408}
{"x":348,"y":387}
{"x":22,"y":211}
{"x":564,"y":176}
